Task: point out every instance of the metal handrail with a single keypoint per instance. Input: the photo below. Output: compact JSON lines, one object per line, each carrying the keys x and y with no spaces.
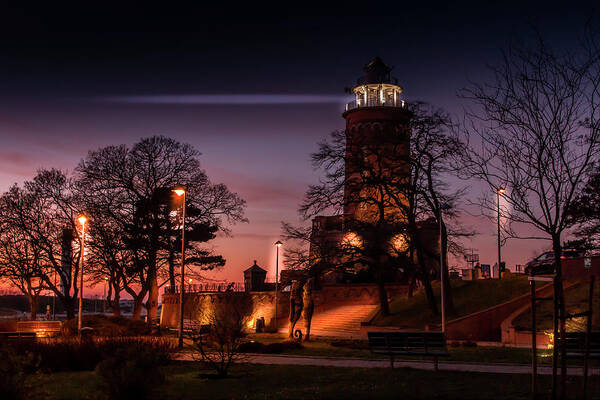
{"x":208,"y":287}
{"x":374,"y":102}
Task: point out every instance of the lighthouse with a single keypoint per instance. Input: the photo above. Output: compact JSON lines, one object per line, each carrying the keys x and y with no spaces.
{"x":377,"y":127}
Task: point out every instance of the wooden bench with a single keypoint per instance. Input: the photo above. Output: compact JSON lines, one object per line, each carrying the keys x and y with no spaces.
{"x":29,"y":336}
{"x":409,"y":343}
{"x":192,"y":326}
{"x":41,"y":328}
{"x":575,"y":342}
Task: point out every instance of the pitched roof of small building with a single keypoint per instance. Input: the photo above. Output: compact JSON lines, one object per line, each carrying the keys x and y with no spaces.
{"x":255,"y":267}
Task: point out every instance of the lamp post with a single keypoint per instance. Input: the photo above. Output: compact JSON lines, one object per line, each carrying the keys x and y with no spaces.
{"x":181,"y":193}
{"x":190,"y":285}
{"x":498,"y":193}
{"x":54,"y":300}
{"x":104,"y":296}
{"x":82,"y":220}
{"x":443,"y":207}
{"x":277,"y":245}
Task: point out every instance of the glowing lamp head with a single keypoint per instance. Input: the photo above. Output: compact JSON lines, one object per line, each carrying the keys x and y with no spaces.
{"x":501,"y":190}
{"x":190,"y":281}
{"x":179,"y":192}
{"x":106,"y":278}
{"x":82,"y":219}
{"x":278,"y":243}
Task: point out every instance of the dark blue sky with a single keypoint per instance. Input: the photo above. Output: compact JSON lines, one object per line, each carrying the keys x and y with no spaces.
{"x":63,"y":93}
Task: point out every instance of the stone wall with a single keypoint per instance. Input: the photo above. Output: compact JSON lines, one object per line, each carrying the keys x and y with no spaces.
{"x":485,"y":324}
{"x":251,"y":304}
{"x":262,"y":304}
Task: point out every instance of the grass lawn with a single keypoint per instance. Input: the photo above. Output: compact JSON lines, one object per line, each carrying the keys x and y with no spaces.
{"x":190,"y":381}
{"x":469,"y":297}
{"x":330,"y":347}
{"x":576,"y":300}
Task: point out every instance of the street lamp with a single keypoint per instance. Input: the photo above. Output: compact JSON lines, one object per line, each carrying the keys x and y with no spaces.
{"x":190,"y":285}
{"x":82,"y":220}
{"x":498,"y":193}
{"x":104,"y":296}
{"x":180,"y":192}
{"x":278,"y":244}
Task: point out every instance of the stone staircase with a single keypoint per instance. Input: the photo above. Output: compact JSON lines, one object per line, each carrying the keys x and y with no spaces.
{"x":342,"y":321}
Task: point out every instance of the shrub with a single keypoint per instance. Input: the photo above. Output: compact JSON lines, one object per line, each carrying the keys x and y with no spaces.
{"x":75,"y":354}
{"x":130,"y":373}
{"x":271,"y":348}
{"x":13,"y":370}
{"x":280,"y":347}
{"x":251,"y":347}
{"x":103,"y":325}
{"x":219,"y":344}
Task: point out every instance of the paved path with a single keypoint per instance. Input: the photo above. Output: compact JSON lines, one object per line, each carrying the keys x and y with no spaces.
{"x":385,"y":363}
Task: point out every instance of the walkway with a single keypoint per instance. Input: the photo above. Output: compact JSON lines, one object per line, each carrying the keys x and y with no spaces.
{"x":283,"y":359}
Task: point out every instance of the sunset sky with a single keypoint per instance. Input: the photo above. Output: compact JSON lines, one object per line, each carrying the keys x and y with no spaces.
{"x":254,"y":95}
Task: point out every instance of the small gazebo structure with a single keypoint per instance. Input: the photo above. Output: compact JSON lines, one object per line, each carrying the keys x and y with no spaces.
{"x":254,"y":278}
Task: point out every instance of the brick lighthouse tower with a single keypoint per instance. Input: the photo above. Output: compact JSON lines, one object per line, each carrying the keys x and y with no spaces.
{"x":377,"y":145}
{"x":377,"y":136}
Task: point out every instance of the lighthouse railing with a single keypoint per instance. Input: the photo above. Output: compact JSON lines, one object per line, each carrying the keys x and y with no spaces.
{"x":373,"y":102}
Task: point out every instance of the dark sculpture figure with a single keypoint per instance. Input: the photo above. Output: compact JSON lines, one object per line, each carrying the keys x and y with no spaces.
{"x":296,"y":306}
{"x":309,"y":306}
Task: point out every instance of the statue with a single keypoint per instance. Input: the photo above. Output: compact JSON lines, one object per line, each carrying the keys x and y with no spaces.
{"x":309,"y":306}
{"x":296,"y":306}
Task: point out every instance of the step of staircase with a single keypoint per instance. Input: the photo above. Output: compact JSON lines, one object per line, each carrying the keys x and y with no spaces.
{"x":342,"y":321}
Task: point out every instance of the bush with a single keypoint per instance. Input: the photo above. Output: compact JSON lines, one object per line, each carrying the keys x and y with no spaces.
{"x":74,"y":354}
{"x":103,"y":325}
{"x":280,"y":347}
{"x":271,"y":348}
{"x":13,"y":371}
{"x":130,"y":373}
{"x":251,"y":347}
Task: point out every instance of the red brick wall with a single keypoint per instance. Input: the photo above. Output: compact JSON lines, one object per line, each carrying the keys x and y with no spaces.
{"x":263,"y":303}
{"x":485,"y":324}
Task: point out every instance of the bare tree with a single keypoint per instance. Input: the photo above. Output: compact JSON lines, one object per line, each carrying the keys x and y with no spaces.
{"x":535,"y":132}
{"x":130,"y":190}
{"x":219,"y":341}
{"x":20,"y":265}
{"x":42,"y":212}
{"x":389,"y":190}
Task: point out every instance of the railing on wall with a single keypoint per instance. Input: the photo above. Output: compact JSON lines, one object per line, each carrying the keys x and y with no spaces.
{"x":374,"y":102}
{"x":208,"y":287}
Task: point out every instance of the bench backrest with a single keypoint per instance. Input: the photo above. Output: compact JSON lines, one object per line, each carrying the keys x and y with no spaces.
{"x":408,"y":341}
{"x":575,"y":342}
{"x":41,"y":328}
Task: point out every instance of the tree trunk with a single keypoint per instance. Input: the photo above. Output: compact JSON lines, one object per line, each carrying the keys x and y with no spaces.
{"x":383,"y":298}
{"x":448,"y":300}
{"x":557,"y":249}
{"x":33,"y":306}
{"x":116,"y":307}
{"x":152,"y":306}
{"x":69,"y":304}
{"x":137,"y":306}
{"x":429,"y":294}
{"x":425,"y":279}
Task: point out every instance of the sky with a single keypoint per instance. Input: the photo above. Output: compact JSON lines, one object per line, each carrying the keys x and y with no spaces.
{"x":254,"y":94}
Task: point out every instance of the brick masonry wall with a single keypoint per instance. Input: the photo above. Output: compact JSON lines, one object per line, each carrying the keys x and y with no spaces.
{"x":262,"y":304}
